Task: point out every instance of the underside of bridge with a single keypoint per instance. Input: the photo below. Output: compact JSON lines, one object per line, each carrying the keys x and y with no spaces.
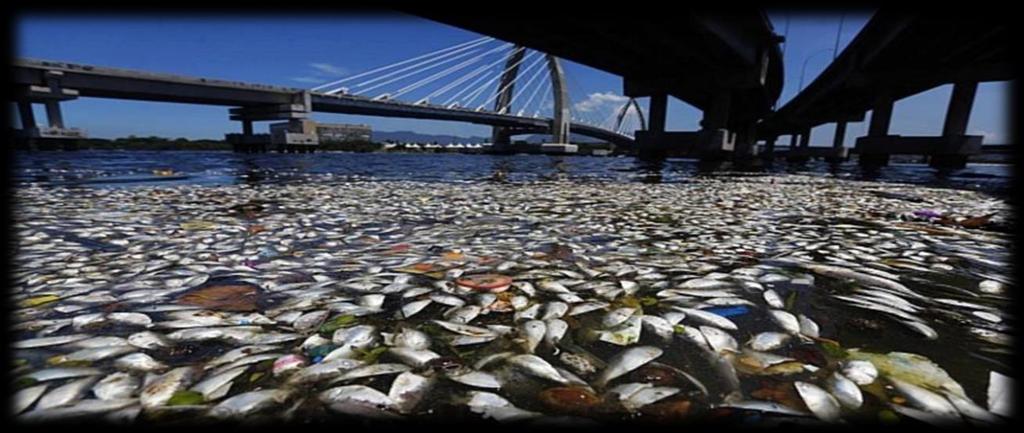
{"x":729,"y":65}
{"x":899,"y":54}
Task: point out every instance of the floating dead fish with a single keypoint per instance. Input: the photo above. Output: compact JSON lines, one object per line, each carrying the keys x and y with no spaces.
{"x":767,"y":341}
{"x":1000,"y":394}
{"x":249,"y":402}
{"x":536,"y":366}
{"x":626,"y":361}
{"x":845,"y":390}
{"x":925,"y":399}
{"x":161,"y":389}
{"x":820,"y":402}
{"x":408,"y":390}
{"x":708,"y":318}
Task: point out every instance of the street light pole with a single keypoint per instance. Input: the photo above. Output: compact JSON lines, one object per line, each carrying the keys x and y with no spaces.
{"x":804,"y":69}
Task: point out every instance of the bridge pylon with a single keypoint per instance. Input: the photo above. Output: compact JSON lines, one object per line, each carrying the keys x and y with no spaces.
{"x":501,"y":137}
{"x":50,"y":95}
{"x":298,"y":134}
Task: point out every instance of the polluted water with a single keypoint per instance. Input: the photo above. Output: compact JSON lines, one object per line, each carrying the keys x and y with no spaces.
{"x":737,"y":299}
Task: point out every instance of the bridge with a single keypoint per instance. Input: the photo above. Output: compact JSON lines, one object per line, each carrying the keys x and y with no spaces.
{"x":737,"y":78}
{"x":729,"y":66}
{"x":512,"y":80}
{"x":897,"y":54}
{"x":49,"y":82}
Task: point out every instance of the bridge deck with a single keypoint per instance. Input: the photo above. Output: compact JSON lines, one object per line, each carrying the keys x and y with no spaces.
{"x":105,"y":82}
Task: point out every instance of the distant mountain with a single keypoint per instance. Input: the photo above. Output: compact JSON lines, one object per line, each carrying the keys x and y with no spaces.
{"x":541,"y":138}
{"x":415,"y":137}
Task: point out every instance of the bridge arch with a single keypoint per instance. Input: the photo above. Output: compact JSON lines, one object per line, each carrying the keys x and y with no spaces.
{"x":625,"y":109}
{"x":561,"y":117}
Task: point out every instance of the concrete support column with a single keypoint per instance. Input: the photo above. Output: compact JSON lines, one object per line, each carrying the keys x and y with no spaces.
{"x":657,"y":109}
{"x":769,"y":147}
{"x":798,"y":147}
{"x":746,"y":141}
{"x":717,"y":116}
{"x":716,"y":141}
{"x":247,"y":128}
{"x":28,"y":117}
{"x":839,"y":153}
{"x":805,"y":138}
{"x":954,"y":129}
{"x":837,"y":139}
{"x":53,"y":114}
{"x":959,"y":110}
{"x":881,"y":116}
{"x":653,"y":143}
{"x":745,"y":146}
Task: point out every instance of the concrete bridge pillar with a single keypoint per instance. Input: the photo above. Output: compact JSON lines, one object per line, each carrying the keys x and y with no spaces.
{"x":53,"y":115}
{"x":805,"y":138}
{"x":28,"y":117}
{"x":871,"y":148}
{"x":298,"y":130}
{"x":715,"y":141}
{"x":798,"y":152}
{"x":769,"y":148}
{"x":838,"y":153}
{"x":954,"y":128}
{"x":50,"y":95}
{"x":657,"y":109}
{"x":840,"y":135}
{"x":652,"y":143}
{"x":745,"y":150}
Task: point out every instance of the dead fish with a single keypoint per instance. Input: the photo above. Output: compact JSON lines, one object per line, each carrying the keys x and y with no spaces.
{"x":249,"y":402}
{"x":626,"y":361}
{"x":116,"y":386}
{"x":161,"y":389}
{"x":786,"y":320}
{"x":925,"y":400}
{"x":536,"y":366}
{"x":66,"y":394}
{"x":139,"y":362}
{"x":217,"y":386}
{"x":709,"y":318}
{"x":860,"y":372}
{"x":408,"y":390}
{"x":62,"y":373}
{"x":25,"y":397}
{"x":532,"y":332}
{"x":845,"y":390}
{"x":767,"y":341}
{"x":820,"y":402}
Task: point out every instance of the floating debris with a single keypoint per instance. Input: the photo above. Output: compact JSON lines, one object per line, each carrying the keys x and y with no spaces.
{"x":794,"y":297}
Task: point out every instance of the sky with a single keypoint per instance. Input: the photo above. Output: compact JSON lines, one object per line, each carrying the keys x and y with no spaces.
{"x":304,"y":51}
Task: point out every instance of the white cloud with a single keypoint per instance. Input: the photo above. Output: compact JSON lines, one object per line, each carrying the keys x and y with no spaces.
{"x":988,"y":137}
{"x":329,"y":69}
{"x":310,"y":80}
{"x":601,"y":101}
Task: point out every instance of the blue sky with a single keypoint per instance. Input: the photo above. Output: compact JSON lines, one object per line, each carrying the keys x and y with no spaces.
{"x":304,"y":50}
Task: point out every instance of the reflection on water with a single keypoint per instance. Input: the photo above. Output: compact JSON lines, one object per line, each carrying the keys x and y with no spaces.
{"x":214,"y":167}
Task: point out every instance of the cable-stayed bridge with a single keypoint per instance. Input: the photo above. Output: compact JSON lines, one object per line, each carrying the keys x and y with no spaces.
{"x":514,"y":89}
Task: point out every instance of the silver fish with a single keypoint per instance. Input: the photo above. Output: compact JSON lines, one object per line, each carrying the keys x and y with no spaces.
{"x":626,"y":361}
{"x":116,"y":386}
{"x":249,"y":402}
